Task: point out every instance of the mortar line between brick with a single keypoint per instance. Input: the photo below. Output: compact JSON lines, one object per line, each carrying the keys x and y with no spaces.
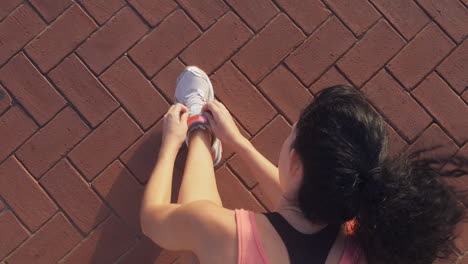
{"x":39,"y":13}
{"x":436,"y":22}
{"x":84,"y":239}
{"x":324,"y":2}
{"x":20,"y":244}
{"x":95,"y":31}
{"x":241,"y":18}
{"x":435,"y":120}
{"x":445,"y":79}
{"x":137,"y":42}
{"x":129,"y":5}
{"x":12,"y":11}
{"x":66,"y":55}
{"x":23,"y":224}
{"x":246,"y":187}
{"x":45,"y":191}
{"x":387,"y":19}
{"x":22,"y":49}
{"x":194,"y":20}
{"x":128,"y":169}
{"x":389,"y":60}
{"x":31,"y":235}
{"x":281,"y":9}
{"x":112,"y":210}
{"x":67,"y":101}
{"x":77,"y":2}
{"x":17,"y":103}
{"x":124,"y":107}
{"x":126,"y":253}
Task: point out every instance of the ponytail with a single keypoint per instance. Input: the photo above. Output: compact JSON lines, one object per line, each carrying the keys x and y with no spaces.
{"x":408,"y":212}
{"x":402,"y":208}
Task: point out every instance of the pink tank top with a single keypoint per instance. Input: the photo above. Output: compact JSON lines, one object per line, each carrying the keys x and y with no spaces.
{"x":251,"y":249}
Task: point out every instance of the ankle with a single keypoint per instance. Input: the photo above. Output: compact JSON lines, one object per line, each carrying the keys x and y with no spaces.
{"x":201,"y":134}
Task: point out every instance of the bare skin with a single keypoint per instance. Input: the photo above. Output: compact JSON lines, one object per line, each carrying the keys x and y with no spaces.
{"x":210,"y":235}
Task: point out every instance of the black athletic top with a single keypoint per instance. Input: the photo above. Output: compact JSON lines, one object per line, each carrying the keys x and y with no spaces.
{"x":304,"y":248}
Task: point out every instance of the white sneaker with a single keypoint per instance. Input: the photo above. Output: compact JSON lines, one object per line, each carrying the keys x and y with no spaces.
{"x":194,"y":90}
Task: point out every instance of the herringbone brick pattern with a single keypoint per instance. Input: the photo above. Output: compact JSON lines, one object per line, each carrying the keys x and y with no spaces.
{"x":84,"y":84}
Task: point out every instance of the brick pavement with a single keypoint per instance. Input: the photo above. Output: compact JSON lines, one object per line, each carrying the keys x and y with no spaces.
{"x":84,"y":84}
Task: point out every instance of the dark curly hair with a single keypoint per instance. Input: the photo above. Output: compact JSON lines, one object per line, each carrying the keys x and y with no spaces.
{"x":404,"y":212}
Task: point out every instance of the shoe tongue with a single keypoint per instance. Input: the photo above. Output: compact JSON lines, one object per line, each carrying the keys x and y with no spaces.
{"x":194,"y":102}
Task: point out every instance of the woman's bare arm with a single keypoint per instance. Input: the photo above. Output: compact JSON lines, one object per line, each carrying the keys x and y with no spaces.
{"x":264,"y":171}
{"x":226,"y":130}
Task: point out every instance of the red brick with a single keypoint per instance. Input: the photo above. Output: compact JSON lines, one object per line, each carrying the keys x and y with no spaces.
{"x":242,"y":98}
{"x":112,"y":40}
{"x":62,"y":37}
{"x":432,"y":137}
{"x":371,"y":53}
{"x":106,"y":143}
{"x":205,"y":12}
{"x":397,"y":105}
{"x":286,"y":91}
{"x":268,"y":142}
{"x":309,"y":14}
{"x":49,"y":244}
{"x":396,"y":143}
{"x":50,"y":9}
{"x":74,"y":196}
{"x":455,"y":68}
{"x":141,"y":157}
{"x":5,"y":100}
{"x":135,"y":92}
{"x":320,"y":50}
{"x":146,"y":251}
{"x":15,"y":128}
{"x":83,"y":90}
{"x":167,"y":77}
{"x":444,"y":104}
{"x":105,"y":245}
{"x":222,"y":39}
{"x":8,"y":6}
{"x":259,"y":194}
{"x":405,"y":15}
{"x":17,"y":30}
{"x":330,"y":78}
{"x":227,"y":151}
{"x":102,"y":10}
{"x":256,"y":13}
{"x":52,"y":142}
{"x":31,"y":89}
{"x":233,"y":193}
{"x":13,"y":233}
{"x":25,"y":197}
{"x":465,"y":96}
{"x":153,"y":11}
{"x":165,"y":42}
{"x":412,"y":63}
{"x":268,"y":48}
{"x":122,"y":191}
{"x":450,"y":14}
{"x":359,"y":15}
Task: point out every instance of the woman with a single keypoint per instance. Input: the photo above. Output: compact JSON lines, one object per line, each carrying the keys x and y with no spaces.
{"x":339,"y":197}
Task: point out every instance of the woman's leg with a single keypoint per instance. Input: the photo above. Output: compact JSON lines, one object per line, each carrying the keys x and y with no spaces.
{"x":198,"y":182}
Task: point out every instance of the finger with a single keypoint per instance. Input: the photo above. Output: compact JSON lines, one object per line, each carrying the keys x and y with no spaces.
{"x":210,"y":118}
{"x":184,"y":117}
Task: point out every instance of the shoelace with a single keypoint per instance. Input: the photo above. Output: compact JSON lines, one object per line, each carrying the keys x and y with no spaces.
{"x":194,"y":101}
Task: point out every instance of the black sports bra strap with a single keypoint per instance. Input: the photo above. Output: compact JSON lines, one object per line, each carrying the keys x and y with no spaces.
{"x":304,"y":248}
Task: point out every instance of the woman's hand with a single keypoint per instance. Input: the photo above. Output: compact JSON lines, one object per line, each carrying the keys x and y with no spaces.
{"x":175,"y":126}
{"x":223,"y":124}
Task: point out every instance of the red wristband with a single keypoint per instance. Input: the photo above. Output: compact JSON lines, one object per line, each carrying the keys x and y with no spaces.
{"x":196,"y":119}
